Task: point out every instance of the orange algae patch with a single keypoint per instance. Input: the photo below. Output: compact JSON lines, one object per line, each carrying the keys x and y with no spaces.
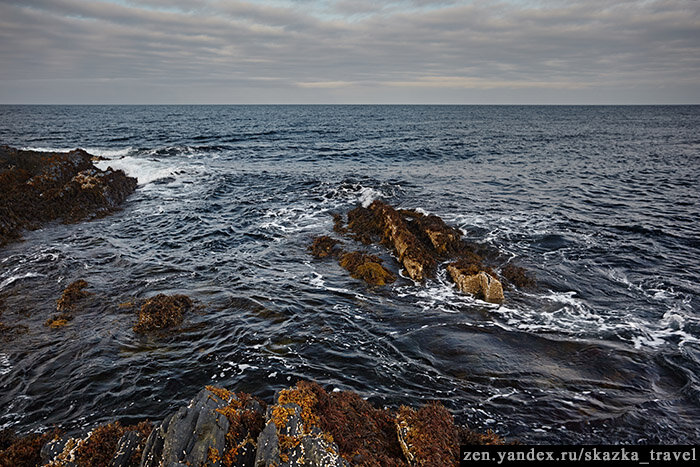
{"x":58,"y":321}
{"x":365,"y":435}
{"x":162,"y":312}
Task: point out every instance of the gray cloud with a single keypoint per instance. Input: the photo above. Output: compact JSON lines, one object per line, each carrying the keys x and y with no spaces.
{"x":563,"y":51}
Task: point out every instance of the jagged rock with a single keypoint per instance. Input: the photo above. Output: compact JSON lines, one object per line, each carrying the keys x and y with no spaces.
{"x":478,"y":283}
{"x":190,"y":435}
{"x":127,"y":448}
{"x":38,"y":187}
{"x":111,"y":444}
{"x":417,"y":261}
{"x":293,"y":436}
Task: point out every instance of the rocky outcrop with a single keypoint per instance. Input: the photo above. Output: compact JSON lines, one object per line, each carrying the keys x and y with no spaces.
{"x":421,"y":243}
{"x":39,"y":187}
{"x":305,"y":426}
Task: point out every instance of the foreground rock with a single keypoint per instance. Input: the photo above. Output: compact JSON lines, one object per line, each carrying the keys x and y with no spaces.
{"x":420,"y":243}
{"x":39,"y":187}
{"x":305,"y":426}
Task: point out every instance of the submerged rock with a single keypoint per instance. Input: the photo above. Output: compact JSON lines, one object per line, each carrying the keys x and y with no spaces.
{"x":71,"y":295}
{"x":39,"y":187}
{"x":324,"y":246}
{"x":162,"y":312}
{"x":367,"y":268}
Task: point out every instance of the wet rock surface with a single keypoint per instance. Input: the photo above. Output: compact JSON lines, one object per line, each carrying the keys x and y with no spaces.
{"x":305,"y":426}
{"x":422,"y":244}
{"x":40,"y":187}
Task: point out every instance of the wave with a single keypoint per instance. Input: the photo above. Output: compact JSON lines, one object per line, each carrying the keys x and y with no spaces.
{"x":103,"y":152}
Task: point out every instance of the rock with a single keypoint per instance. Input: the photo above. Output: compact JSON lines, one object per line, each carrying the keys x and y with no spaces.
{"x":39,"y":187}
{"x":128,"y":448}
{"x":190,"y":435}
{"x":367,"y":268}
{"x":293,"y":436}
{"x":162,"y":312}
{"x":427,"y":436}
{"x":111,"y":444}
{"x":416,"y":259}
{"x":217,"y":427}
{"x":324,"y":246}
{"x":478,"y":283}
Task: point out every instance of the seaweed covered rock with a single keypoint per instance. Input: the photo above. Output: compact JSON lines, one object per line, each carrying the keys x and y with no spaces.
{"x":421,"y":242}
{"x":24,"y":451}
{"x":418,"y":262}
{"x":324,"y":246}
{"x":39,"y":187}
{"x":112,"y":444}
{"x":293,"y":436}
{"x":67,"y":304}
{"x":216,"y":428}
{"x":367,"y":268}
{"x":71,"y":295}
{"x":162,"y":312}
{"x":427,"y":436}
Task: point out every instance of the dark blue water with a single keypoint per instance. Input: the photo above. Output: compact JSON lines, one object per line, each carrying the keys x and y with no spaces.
{"x":601,"y":203}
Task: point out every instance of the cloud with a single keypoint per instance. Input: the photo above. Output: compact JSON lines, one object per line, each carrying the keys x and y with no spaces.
{"x":403,"y":51}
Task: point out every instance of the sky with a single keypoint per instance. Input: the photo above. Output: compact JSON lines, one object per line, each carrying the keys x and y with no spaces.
{"x":350,"y":51}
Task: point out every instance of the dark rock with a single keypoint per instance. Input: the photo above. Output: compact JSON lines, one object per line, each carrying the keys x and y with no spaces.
{"x":218,"y":427}
{"x":127,"y":448}
{"x":39,"y":187}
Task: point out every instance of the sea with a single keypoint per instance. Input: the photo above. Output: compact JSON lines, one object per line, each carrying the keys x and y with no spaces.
{"x":600,"y":203}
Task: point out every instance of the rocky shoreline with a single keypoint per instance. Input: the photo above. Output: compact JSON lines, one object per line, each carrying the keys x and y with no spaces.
{"x":39,"y":187}
{"x":303,"y":424}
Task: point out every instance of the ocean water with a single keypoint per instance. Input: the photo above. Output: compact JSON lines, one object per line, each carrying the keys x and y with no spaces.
{"x":600,"y":203}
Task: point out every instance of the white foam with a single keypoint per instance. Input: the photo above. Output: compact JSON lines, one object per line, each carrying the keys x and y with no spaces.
{"x":104,"y":152}
{"x":18,"y":277}
{"x":5,"y":366}
{"x":144,"y":170}
{"x":367,"y":195}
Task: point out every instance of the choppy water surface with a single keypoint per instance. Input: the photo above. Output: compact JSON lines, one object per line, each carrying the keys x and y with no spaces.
{"x":601,"y":203}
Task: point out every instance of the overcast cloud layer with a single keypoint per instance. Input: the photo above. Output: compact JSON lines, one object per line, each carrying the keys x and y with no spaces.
{"x":350,"y":51}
